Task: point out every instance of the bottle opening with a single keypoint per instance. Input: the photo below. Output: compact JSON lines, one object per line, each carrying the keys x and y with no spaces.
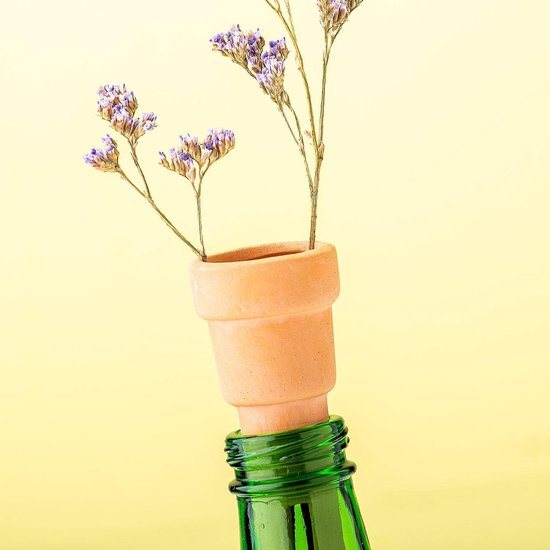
{"x":289,"y":462}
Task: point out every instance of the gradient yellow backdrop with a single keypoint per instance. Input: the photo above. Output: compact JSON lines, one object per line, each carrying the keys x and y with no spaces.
{"x":436,"y":193}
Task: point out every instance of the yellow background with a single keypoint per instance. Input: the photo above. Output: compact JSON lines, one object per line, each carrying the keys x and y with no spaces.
{"x":436,"y":193}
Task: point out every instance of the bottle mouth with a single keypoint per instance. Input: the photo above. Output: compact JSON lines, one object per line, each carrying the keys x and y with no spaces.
{"x":289,"y":462}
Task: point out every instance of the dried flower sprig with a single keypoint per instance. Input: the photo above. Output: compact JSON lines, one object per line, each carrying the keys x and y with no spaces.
{"x":334,"y":13}
{"x":247,"y":50}
{"x":268,"y":68}
{"x":118,"y":106}
{"x":105,"y":160}
{"x":191,"y":159}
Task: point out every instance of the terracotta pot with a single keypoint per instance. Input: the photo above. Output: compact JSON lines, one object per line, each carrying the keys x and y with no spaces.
{"x":269,"y":309}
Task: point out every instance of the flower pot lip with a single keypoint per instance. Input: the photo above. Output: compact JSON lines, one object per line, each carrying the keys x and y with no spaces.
{"x":261,"y":254}
{"x":266,"y":281}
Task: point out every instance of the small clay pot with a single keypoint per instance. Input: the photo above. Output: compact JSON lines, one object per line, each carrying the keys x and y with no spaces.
{"x":269,"y":309}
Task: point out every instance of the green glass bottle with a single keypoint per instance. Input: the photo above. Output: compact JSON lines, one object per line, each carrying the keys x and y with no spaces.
{"x":294,"y":489}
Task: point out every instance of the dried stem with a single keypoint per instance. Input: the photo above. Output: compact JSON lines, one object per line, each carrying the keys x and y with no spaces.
{"x":318,"y":146}
{"x":320,"y":152}
{"x":296,"y":134}
{"x":133,"y":147}
{"x":289,"y":26}
{"x":147,"y":196}
{"x":198,"y":195}
{"x":317,"y":130}
{"x":329,"y":41}
{"x":294,"y":137}
{"x":199,"y":215}
{"x":301,"y":146}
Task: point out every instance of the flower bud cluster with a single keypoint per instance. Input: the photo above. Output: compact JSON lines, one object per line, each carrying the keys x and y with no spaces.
{"x":238,"y":45}
{"x":247,"y":50}
{"x":179,"y":162}
{"x":217,"y":144}
{"x":192,"y":155}
{"x":334,"y":13}
{"x":105,"y":160}
{"x":118,"y":106}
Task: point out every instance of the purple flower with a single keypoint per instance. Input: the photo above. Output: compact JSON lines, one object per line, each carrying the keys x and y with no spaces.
{"x":105,"y":159}
{"x":217,"y":144}
{"x":148,"y":122}
{"x":334,"y":13}
{"x":190,"y":145}
{"x":235,"y":44}
{"x":247,"y":50}
{"x":272,"y":78}
{"x":111,"y":95}
{"x":192,"y":155}
{"x":118,"y":105}
{"x":278,"y":49}
{"x":181,"y":163}
{"x":132,"y":128}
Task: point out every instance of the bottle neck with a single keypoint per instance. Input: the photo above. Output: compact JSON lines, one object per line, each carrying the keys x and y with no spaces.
{"x":294,"y":489}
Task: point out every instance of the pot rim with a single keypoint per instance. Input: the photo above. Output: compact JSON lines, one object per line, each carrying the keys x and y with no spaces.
{"x":252,"y":286}
{"x":261,"y":254}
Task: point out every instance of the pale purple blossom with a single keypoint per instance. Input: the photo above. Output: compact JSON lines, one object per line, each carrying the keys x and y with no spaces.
{"x":254,"y":51}
{"x":179,"y":162}
{"x":148,"y":122}
{"x":217,"y":144}
{"x":105,"y":159}
{"x":247,"y":50}
{"x":272,"y":78}
{"x":118,"y":105}
{"x":236,"y":44}
{"x":277,"y":49}
{"x":190,"y":145}
{"x":334,"y":13}
{"x":191,"y":155}
{"x":111,"y":95}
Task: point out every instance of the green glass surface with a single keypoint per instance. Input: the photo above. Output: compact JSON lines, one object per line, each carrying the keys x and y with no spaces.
{"x":294,"y":489}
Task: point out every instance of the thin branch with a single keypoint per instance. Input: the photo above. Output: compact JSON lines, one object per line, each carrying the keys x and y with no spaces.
{"x":199,"y":216}
{"x":329,"y":41}
{"x":127,"y":179}
{"x":317,"y":141}
{"x":291,"y":20}
{"x":320,"y":153}
{"x":198,"y":195}
{"x":302,"y":149}
{"x":162,"y":215}
{"x":289,"y":26}
{"x":136,"y":162}
{"x":292,"y":132}
{"x":297,"y":137}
